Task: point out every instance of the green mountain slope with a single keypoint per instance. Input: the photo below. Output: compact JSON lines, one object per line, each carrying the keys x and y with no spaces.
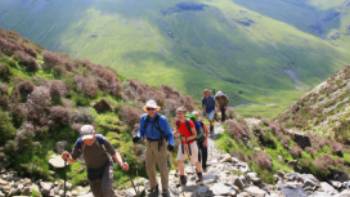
{"x":45,"y":97}
{"x":189,"y":45}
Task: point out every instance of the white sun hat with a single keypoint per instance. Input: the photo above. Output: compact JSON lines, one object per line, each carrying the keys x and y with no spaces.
{"x":151,"y":104}
{"x":87,"y":132}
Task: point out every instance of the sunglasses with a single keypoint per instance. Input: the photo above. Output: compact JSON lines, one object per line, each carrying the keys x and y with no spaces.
{"x":150,"y":109}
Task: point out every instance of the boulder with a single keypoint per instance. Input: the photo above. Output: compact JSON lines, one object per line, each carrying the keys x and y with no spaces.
{"x":45,"y":187}
{"x":253,"y":177}
{"x":345,"y":193}
{"x":56,"y":161}
{"x":255,"y":191}
{"x":241,"y":182}
{"x":327,"y":188}
{"x":220,"y":189}
{"x":320,"y":194}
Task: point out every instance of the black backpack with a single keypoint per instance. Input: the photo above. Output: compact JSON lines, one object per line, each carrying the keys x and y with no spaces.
{"x":200,"y":132}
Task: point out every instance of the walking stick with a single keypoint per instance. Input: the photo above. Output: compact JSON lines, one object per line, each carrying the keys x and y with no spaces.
{"x":65,"y":179}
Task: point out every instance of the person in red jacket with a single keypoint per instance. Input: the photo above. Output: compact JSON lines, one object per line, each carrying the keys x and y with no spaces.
{"x":187,"y":135}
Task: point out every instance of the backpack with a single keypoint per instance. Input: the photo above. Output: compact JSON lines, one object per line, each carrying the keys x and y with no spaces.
{"x":94,"y":174}
{"x":188,"y":125}
{"x":200,"y":132}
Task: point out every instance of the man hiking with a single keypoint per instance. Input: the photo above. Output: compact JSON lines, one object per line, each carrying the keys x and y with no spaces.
{"x":208,"y":105}
{"x":97,"y":153}
{"x":202,"y":138}
{"x":187,"y":135}
{"x":222,"y":103}
{"x":155,"y":128}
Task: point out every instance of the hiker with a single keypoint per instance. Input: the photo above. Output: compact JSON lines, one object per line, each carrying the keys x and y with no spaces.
{"x":187,"y":135}
{"x":222,"y":103}
{"x":98,"y":154}
{"x":155,"y":128}
{"x":202,"y":138}
{"x":208,"y":105}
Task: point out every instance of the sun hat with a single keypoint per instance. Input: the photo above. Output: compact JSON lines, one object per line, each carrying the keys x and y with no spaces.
{"x":151,"y":104}
{"x":87,"y":132}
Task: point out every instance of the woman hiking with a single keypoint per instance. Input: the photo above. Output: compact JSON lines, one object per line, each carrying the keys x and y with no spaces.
{"x":187,"y":135}
{"x":99,"y":156}
{"x":202,"y":138}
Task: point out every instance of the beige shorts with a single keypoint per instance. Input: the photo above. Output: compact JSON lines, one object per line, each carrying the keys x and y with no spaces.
{"x":181,"y":155}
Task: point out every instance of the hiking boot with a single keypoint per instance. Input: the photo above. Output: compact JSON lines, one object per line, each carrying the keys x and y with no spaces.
{"x":211,"y":129}
{"x":153,"y":192}
{"x":200,"y":177}
{"x":183,"y":180}
{"x":166,"y":193}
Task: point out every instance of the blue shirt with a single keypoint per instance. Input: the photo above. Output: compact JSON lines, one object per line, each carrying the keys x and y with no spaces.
{"x":208,"y":103}
{"x":151,"y":131}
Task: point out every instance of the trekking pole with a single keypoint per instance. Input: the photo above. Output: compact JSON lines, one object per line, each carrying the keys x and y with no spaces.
{"x":133,"y":185}
{"x":65,"y":179}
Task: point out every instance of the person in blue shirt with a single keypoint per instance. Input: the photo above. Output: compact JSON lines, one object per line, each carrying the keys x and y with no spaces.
{"x":208,"y":105}
{"x":155,"y":129}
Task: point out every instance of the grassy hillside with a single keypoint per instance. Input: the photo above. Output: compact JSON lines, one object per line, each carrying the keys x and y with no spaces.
{"x":45,"y":97}
{"x":324,"y":110}
{"x":189,"y":45}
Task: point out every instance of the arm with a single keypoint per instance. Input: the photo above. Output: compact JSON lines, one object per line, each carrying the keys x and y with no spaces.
{"x":141,"y":131}
{"x":116,"y":157}
{"x":168,"y":131}
{"x":76,"y":152}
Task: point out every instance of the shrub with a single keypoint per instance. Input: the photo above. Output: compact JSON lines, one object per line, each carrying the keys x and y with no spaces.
{"x":337,"y":148}
{"x":263,"y":160}
{"x":38,"y":104}
{"x":58,"y":89}
{"x":52,"y":59}
{"x":86,"y":85}
{"x":59,"y":116}
{"x":131,"y":115}
{"x":19,"y":113}
{"x":4,"y":99}
{"x":81,"y":117}
{"x":238,"y":130}
{"x":23,"y":89}
{"x":8,"y":47}
{"x":296,"y":151}
{"x":7,"y":130}
{"x":27,"y":61}
{"x":5,"y":73}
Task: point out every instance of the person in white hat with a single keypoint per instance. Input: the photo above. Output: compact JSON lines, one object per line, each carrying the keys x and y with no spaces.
{"x":155,"y":128}
{"x":222,"y":102}
{"x":98,"y":154}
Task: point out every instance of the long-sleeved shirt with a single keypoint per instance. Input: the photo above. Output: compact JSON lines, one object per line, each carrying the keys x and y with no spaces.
{"x":156,"y":128}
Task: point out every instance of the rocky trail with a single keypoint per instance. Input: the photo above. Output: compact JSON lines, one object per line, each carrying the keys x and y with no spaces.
{"x":225,"y":176}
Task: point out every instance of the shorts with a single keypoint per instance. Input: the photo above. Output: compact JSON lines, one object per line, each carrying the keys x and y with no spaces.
{"x":211,"y":115}
{"x":181,"y":156}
